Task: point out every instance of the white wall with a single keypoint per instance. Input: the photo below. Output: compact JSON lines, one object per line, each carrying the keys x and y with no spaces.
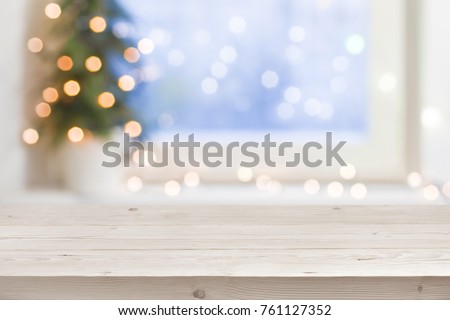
{"x":435,"y":86}
{"x":12,"y":35}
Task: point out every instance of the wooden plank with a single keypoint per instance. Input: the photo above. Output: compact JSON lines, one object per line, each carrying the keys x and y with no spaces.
{"x":226,"y":237}
{"x":223,"y":288}
{"x":237,"y":263}
{"x":218,"y":215}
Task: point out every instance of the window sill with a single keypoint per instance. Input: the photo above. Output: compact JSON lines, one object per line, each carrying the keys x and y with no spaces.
{"x":223,"y":194}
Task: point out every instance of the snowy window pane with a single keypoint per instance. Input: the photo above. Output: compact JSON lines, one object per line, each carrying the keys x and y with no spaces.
{"x":255,"y":65}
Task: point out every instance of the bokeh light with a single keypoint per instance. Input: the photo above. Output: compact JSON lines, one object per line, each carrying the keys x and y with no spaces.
{"x":172,"y":188}
{"x":35,"y":45}
{"x":133,"y":128}
{"x":98,"y":24}
{"x":335,"y":190}
{"x":431,"y":193}
{"x":75,"y":134}
{"x":192,"y":179}
{"x":131,"y":55}
{"x":106,"y":100}
{"x":72,"y":88}
{"x":50,"y":95}
{"x":126,"y":83}
{"x":65,"y":63}
{"x":43,"y":110}
{"x":93,"y":64}
{"x":30,"y":136}
{"x":135,"y":184}
{"x":53,"y":11}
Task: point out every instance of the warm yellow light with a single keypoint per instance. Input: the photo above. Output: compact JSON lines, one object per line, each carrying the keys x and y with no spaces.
{"x":35,"y":45}
{"x":133,"y":128}
{"x":30,"y":136}
{"x":50,"y":95}
{"x":98,"y":24}
{"x":131,"y":55}
{"x":93,"y":64}
{"x":126,"y":83}
{"x":106,"y":100}
{"x":43,"y":110}
{"x":65,"y":63}
{"x":72,"y":88}
{"x":75,"y":134}
{"x":53,"y":11}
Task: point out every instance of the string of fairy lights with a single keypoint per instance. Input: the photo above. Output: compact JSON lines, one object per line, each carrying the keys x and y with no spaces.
{"x":312,"y":188}
{"x":72,"y":88}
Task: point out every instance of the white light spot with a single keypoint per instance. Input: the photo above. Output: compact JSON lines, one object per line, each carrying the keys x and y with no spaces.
{"x":219,"y":70}
{"x":176,"y":58}
{"x":210,"y":86}
{"x":341,"y":64}
{"x":431,"y":118}
{"x":358,"y":191}
{"x":414,"y":179}
{"x":135,"y":184}
{"x":297,"y":34}
{"x":388,"y":82}
{"x":312,"y":187}
{"x":146,"y":46}
{"x":53,"y":11}
{"x":192,"y":179}
{"x":355,"y":44}
{"x":335,"y":190}
{"x":245,"y":174}
{"x":313,"y":107}
{"x":30,"y":136}
{"x":262,"y":183}
{"x":292,"y":95}
{"x":285,"y":111}
{"x":172,"y":188}
{"x":348,"y":172}
{"x":202,"y":37}
{"x":228,"y":54}
{"x":270,"y":79}
{"x":339,"y":85}
{"x":326,"y":112}
{"x":446,"y":189}
{"x":121,"y":30}
{"x":431,"y":193}
{"x":237,"y":25}
{"x":151,"y":73}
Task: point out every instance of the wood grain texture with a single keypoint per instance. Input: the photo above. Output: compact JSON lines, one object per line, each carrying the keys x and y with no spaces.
{"x":231,"y":252}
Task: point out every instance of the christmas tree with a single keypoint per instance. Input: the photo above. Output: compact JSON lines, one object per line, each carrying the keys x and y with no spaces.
{"x":82,"y":93}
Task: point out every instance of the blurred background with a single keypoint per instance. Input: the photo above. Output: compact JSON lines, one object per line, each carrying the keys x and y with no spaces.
{"x":76,"y":74}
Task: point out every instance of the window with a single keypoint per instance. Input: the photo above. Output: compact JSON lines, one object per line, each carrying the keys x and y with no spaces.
{"x":295,"y":67}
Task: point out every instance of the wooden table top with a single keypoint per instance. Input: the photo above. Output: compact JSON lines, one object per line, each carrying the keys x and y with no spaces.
{"x":225,"y":241}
